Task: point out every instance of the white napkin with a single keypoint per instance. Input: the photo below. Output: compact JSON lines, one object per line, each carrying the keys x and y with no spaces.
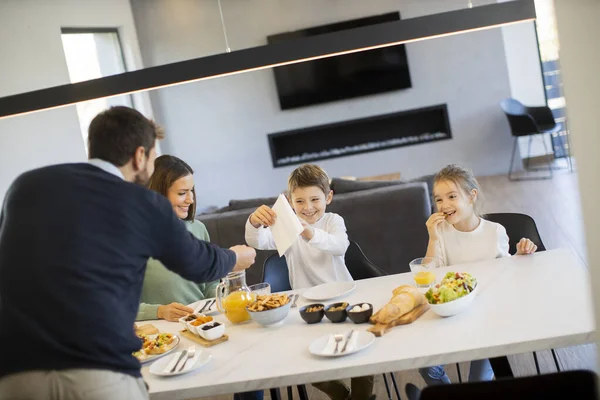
{"x":171,"y":363}
{"x":192,"y":361}
{"x":330,"y":346}
{"x":287,"y":227}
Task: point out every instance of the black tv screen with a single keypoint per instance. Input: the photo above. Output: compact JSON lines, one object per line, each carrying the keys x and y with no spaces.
{"x":341,"y":77}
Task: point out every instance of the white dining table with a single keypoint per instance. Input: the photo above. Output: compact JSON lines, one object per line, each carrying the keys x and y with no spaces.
{"x":523,"y":304}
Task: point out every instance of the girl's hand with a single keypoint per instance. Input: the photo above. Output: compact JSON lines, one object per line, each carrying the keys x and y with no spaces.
{"x":172,"y":312}
{"x":308,"y":231}
{"x":264,"y":216}
{"x":526,"y":246}
{"x":433,"y":225}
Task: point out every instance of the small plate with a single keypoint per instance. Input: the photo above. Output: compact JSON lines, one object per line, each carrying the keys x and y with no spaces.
{"x":201,"y":358}
{"x":329,"y":291}
{"x":153,"y":357}
{"x":363,"y":339}
{"x":199,"y":304}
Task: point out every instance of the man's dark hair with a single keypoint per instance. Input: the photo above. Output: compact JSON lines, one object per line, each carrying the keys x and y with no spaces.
{"x":116,"y":133}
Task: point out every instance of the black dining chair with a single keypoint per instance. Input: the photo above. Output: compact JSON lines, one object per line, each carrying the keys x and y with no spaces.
{"x":528,"y":121}
{"x":517,"y":226}
{"x":275,"y":273}
{"x":580,"y":385}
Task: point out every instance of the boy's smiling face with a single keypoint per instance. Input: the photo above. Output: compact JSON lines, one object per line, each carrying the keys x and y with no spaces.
{"x":310,"y":202}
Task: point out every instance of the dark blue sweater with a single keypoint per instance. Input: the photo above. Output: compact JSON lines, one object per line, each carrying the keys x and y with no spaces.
{"x":74,"y":242}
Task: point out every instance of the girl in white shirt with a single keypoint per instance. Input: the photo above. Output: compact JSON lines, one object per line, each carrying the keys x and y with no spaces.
{"x":457,"y":235}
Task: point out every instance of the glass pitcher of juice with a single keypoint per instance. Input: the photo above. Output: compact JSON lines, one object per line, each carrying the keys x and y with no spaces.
{"x":233,"y":295}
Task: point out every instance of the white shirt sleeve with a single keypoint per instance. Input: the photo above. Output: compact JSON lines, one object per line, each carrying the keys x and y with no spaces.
{"x":502,"y":240}
{"x":335,"y":241}
{"x":260,"y":238}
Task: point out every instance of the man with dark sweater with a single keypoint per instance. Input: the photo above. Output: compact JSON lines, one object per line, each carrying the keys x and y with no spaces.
{"x":74,"y":242}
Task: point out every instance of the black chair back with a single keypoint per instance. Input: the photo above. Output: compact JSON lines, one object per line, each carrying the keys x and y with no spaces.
{"x":580,"y":385}
{"x":359,"y":265}
{"x":517,"y":226}
{"x":521,"y":123}
{"x":276,"y":274}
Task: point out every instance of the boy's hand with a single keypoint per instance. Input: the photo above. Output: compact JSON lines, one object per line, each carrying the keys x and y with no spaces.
{"x":433,"y":224}
{"x":308,"y":231}
{"x":526,"y":246}
{"x":263,"y":216}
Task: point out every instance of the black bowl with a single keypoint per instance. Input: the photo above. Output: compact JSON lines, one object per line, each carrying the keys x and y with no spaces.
{"x":339,"y":315}
{"x":360,"y":317}
{"x":314,"y":316}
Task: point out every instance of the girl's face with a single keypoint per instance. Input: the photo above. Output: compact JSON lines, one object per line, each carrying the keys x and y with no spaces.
{"x":453,"y":201}
{"x":181,"y":196}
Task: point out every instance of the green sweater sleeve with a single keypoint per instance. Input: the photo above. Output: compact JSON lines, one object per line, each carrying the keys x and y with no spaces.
{"x":162,"y":286}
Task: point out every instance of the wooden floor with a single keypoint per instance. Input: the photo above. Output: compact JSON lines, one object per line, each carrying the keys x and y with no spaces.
{"x":555,"y":206}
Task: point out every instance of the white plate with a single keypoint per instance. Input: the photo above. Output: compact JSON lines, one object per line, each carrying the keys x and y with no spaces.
{"x":199,"y":304}
{"x":328,"y":291}
{"x":363,"y":339}
{"x":153,"y":357}
{"x":201,"y":358}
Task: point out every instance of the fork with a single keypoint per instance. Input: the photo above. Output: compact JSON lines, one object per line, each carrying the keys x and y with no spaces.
{"x":338,"y":338}
{"x":203,"y":307}
{"x":190,"y":354}
{"x":211,"y":305}
{"x":295,"y":299}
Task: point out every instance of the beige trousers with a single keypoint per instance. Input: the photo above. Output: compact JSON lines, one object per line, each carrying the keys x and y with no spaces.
{"x":72,"y":384}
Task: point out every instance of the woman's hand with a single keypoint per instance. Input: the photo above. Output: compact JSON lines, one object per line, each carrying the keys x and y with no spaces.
{"x":308,"y":231}
{"x":526,"y":246}
{"x":433,"y":225}
{"x":172,"y":312}
{"x":264,"y":216}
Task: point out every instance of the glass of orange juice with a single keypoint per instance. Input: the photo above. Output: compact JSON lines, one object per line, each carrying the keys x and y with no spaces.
{"x":423,"y":270}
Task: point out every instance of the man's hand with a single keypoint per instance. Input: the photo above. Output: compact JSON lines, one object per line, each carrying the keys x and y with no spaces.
{"x":172,"y":312}
{"x":245,"y":257}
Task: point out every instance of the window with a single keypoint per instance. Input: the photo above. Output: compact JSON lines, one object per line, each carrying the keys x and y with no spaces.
{"x":549,"y":50}
{"x":91,"y":54}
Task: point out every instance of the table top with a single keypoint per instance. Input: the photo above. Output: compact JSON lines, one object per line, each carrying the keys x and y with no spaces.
{"x":523,"y":304}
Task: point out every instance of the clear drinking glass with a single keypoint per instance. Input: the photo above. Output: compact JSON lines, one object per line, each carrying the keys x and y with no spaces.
{"x":261,"y":289}
{"x":423,"y":270}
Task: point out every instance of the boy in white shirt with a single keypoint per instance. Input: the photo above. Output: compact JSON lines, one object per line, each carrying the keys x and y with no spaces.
{"x":317,"y":255}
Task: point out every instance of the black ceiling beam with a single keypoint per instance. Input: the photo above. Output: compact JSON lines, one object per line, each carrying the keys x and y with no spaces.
{"x":266,"y":56}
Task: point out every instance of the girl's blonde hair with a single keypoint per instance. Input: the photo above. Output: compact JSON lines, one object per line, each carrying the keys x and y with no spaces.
{"x":465,"y":180}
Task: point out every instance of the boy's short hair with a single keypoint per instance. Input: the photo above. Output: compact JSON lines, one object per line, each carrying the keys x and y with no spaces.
{"x":308,"y":175}
{"x":116,"y":133}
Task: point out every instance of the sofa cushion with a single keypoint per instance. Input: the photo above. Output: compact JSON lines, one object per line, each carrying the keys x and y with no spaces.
{"x":341,"y":186}
{"x":250,"y":203}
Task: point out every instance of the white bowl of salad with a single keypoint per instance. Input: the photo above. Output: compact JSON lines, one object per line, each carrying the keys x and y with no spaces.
{"x":453,"y":294}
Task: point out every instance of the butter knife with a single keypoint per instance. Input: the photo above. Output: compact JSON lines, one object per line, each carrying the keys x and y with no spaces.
{"x":181,"y":357}
{"x":347,"y":340}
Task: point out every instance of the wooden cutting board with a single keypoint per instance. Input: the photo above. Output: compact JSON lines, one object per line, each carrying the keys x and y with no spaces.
{"x":201,"y":340}
{"x":381,"y":329}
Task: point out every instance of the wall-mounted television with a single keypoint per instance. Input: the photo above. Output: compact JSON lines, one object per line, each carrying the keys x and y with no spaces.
{"x":341,"y":77}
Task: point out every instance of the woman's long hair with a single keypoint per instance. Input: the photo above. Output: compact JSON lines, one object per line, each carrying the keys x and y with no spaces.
{"x":168,"y":169}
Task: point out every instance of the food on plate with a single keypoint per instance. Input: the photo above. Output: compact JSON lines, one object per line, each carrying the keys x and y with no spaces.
{"x":159,"y":344}
{"x":147,"y":329}
{"x":202,"y":319}
{"x":314,"y":309}
{"x":405,"y":299}
{"x":268,"y":302}
{"x":338,"y":308}
{"x":454,"y":286}
{"x":360,"y":308}
{"x":210,"y":326}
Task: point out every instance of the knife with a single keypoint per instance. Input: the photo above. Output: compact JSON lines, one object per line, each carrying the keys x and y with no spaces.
{"x":203,"y":307}
{"x":347,"y":340}
{"x":183,"y":354}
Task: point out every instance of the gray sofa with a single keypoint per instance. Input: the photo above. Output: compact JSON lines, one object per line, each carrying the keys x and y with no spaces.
{"x":387,"y":220}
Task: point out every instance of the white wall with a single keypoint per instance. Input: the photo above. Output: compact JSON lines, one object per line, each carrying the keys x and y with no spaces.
{"x":578,"y":33}
{"x":32,"y":57}
{"x":221,"y":126}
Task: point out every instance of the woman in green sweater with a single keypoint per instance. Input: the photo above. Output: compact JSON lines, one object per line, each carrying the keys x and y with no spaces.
{"x":164,"y":293}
